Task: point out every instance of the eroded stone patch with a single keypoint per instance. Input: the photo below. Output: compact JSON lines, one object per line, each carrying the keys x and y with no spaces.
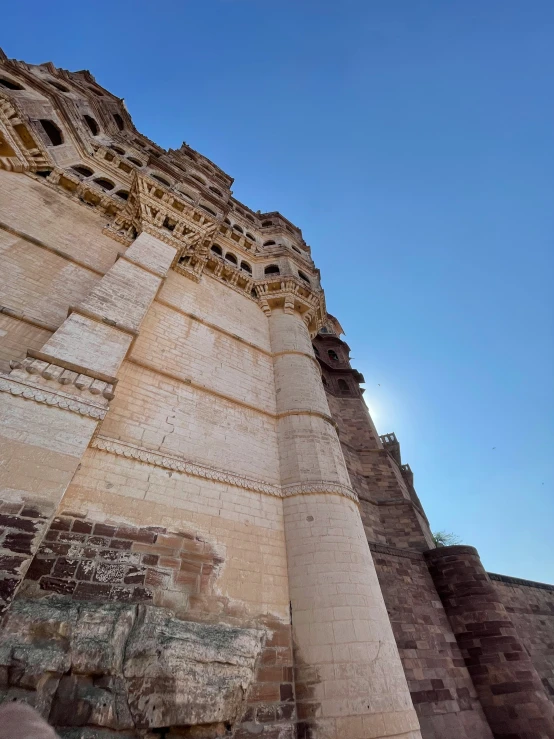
{"x":125,"y":666}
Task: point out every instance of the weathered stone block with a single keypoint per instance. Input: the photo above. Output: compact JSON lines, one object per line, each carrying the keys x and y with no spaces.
{"x":122,"y":666}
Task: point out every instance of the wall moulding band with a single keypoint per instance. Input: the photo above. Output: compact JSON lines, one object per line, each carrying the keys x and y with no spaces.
{"x":179,"y":464}
{"x":19,"y":316}
{"x":212,"y":326}
{"x":58,"y":399}
{"x":229,"y":398}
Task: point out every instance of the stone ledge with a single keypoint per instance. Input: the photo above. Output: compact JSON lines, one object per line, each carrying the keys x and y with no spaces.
{"x":519,"y":581}
{"x":58,"y":399}
{"x":179,"y":464}
{"x":395,"y":551}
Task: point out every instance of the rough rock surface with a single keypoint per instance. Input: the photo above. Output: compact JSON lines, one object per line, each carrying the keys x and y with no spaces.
{"x":125,"y":668}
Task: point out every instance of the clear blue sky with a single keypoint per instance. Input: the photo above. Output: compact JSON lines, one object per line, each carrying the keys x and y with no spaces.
{"x":413,"y":143}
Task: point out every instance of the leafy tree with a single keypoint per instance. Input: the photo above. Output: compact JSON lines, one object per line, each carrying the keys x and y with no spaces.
{"x":445,"y":539}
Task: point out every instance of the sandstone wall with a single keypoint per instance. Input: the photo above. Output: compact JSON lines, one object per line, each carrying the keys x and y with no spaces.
{"x":53,"y":252}
{"x":440,"y":686}
{"x":531,"y":609}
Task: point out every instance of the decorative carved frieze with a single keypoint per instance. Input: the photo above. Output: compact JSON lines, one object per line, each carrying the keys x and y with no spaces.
{"x":58,"y":399}
{"x":63,"y":376}
{"x":318,"y":488}
{"x":179,"y":464}
{"x":19,"y":151}
{"x":293,"y":295}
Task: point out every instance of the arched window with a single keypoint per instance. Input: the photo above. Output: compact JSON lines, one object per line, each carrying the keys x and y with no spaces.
{"x":246,"y":267}
{"x":96,"y":92}
{"x":162,"y":180}
{"x":249,"y":217}
{"x":214,"y":189}
{"x":104,"y":183}
{"x":135,"y":161}
{"x":267,"y":223}
{"x":118,"y":121}
{"x":91,"y":123}
{"x":303,"y":277}
{"x":333,"y":355}
{"x":272,"y":269}
{"x":227,"y":221}
{"x":249,"y":236}
{"x":269,"y":243}
{"x":117,"y":150}
{"x":198,"y":179}
{"x":231,"y":258}
{"x":217,"y":249}
{"x":296,"y":249}
{"x":52,"y":131}
{"x":59,"y":87}
{"x":123,"y":194}
{"x":238,"y":228}
{"x":208,"y":210}
{"x":83,"y":171}
{"x":343,"y":387}
{"x":10,"y":84}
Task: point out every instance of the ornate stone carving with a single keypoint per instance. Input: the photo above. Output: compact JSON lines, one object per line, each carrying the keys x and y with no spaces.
{"x":64,"y":376}
{"x":293,"y":295}
{"x":178,"y":464}
{"x":21,"y":151}
{"x":57,"y":399}
{"x":318,"y":488}
{"x":152,"y":208}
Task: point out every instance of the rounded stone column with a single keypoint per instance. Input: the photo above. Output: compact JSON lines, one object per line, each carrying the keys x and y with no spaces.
{"x":508,"y":686}
{"x":349,"y":679}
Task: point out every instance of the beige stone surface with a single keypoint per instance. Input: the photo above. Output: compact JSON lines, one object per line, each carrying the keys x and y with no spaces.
{"x":89,"y":344}
{"x":41,"y":448}
{"x":46,"y":293}
{"x":234,"y":314}
{"x":16,"y":336}
{"x":39,"y":211}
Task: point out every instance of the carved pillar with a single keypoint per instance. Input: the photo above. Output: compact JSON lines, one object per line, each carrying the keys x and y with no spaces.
{"x":349,"y":678}
{"x":50,"y":403}
{"x":508,"y":686}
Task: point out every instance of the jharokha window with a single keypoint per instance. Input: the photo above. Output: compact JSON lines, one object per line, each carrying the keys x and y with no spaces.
{"x":52,"y":131}
{"x":343,"y":387}
{"x":333,"y":355}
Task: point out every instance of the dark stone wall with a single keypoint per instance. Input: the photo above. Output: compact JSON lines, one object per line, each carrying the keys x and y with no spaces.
{"x":531,"y":609}
{"x":509,"y":687}
{"x":441,"y":688}
{"x":22,"y":526}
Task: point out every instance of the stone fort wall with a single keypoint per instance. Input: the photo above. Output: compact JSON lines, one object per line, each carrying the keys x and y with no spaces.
{"x":201,"y":532}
